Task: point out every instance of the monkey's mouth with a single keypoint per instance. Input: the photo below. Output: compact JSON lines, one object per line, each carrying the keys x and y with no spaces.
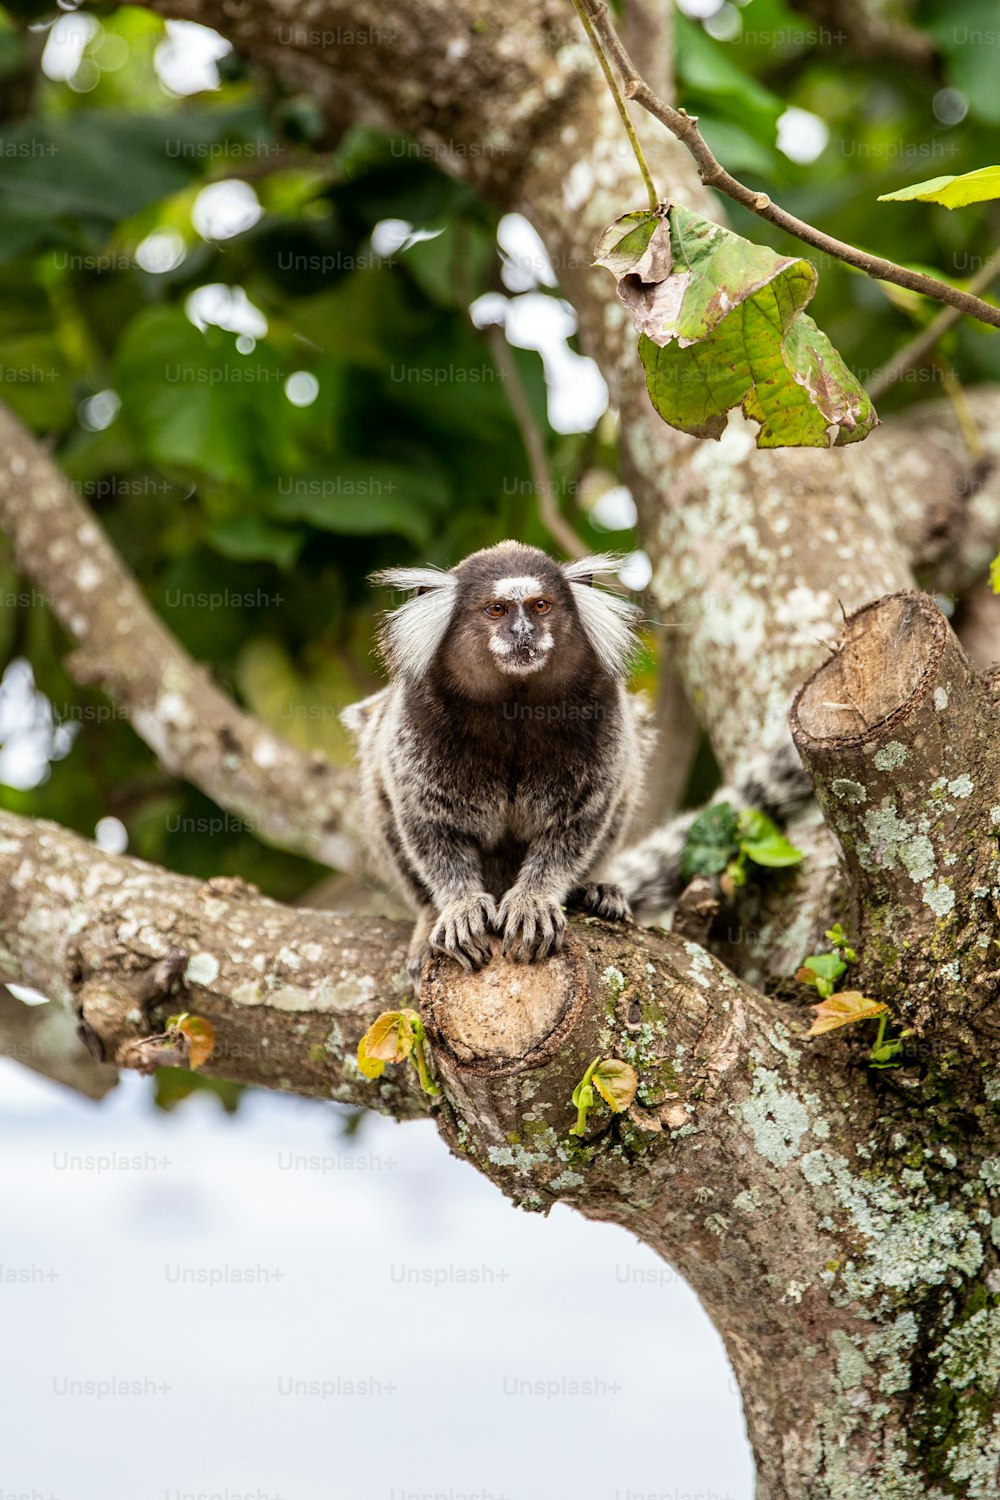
{"x":520,"y":660}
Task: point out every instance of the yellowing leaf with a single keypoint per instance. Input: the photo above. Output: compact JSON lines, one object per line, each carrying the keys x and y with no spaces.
{"x":390,"y":1037}
{"x":199,"y":1035}
{"x":616,"y":1082}
{"x":369,"y":1067}
{"x":844,"y":1009}
{"x":951,"y":192}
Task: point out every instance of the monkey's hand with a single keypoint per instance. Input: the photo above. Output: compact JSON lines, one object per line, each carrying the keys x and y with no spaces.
{"x":463,"y":930}
{"x":532,"y":927}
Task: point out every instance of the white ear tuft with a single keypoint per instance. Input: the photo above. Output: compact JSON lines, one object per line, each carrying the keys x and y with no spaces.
{"x":410,"y":578}
{"x":609,"y":621}
{"x":583,"y":569}
{"x":410,"y":636}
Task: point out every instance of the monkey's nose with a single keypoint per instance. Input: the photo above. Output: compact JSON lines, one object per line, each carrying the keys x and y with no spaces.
{"x":522,"y":629}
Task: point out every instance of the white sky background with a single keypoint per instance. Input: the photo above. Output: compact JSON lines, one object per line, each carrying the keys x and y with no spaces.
{"x":105,"y":1250}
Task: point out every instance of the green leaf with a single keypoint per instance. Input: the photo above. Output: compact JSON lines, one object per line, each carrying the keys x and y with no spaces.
{"x":837,"y":938}
{"x":762,"y":841}
{"x":775,"y":852}
{"x":741,"y":151}
{"x":704,"y":66}
{"x":951,"y":192}
{"x":826,"y":964}
{"x":252,"y":539}
{"x":822,"y":970}
{"x":451,"y":267}
{"x":722,"y":327}
{"x":189,"y":398}
{"x":711,"y":842}
{"x":363,"y":499}
{"x":86,"y":171}
{"x":583,"y":1099}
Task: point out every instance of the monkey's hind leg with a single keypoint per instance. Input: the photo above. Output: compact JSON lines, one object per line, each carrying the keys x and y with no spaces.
{"x":607,"y":901}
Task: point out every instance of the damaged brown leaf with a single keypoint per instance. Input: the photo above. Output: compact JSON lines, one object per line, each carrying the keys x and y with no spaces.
{"x":721,"y":327}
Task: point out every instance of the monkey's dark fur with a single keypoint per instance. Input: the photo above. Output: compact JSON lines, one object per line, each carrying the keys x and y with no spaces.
{"x":500,"y":766}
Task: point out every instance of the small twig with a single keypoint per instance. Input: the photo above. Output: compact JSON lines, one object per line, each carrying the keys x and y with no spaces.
{"x":595,"y":42}
{"x":548,"y":512}
{"x":913,"y":353}
{"x":713,"y":174}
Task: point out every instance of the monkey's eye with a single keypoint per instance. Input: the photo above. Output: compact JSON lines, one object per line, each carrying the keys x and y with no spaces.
{"x":540,"y":606}
{"x":495,"y":611}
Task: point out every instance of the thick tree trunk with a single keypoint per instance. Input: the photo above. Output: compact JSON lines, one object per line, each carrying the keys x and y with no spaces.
{"x":840,"y":1223}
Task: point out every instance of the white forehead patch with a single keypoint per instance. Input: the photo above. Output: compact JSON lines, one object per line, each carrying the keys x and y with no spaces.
{"x":517,"y":588}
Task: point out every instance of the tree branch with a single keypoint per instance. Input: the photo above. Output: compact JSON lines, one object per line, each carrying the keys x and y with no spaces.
{"x":296,"y":801}
{"x":714,"y":175}
{"x":123,"y":944}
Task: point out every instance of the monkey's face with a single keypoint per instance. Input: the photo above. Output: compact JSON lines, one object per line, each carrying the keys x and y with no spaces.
{"x":514,"y":622}
{"x":518,"y":627}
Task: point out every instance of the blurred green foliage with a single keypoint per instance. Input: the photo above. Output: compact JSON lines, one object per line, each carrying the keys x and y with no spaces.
{"x":399,"y":444}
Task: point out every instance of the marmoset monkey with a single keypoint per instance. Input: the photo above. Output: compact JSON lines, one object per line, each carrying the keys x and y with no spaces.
{"x":500,"y":766}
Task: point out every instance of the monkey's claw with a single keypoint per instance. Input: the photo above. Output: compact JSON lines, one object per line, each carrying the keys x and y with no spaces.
{"x":531,"y":929}
{"x":463,"y":930}
{"x":607,"y":901}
